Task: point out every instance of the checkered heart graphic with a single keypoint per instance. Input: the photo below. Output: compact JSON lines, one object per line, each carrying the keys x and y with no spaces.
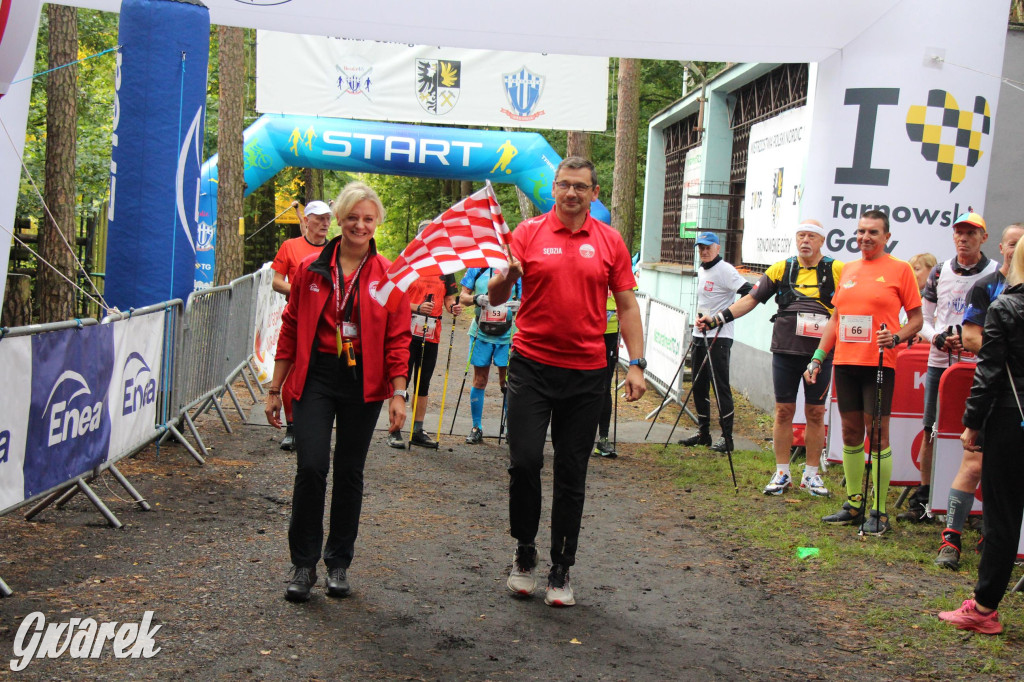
{"x":948,"y":135}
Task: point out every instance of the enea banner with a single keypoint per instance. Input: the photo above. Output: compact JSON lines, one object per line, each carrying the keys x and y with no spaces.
{"x":92,"y":399}
{"x":775,"y":181}
{"x":905,"y":126}
{"x":363,"y":79}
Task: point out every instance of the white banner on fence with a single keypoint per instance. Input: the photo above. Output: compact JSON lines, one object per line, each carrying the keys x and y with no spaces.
{"x":666,"y":343}
{"x":905,"y":125}
{"x":16,"y":378}
{"x":269,"y":306}
{"x":775,"y":181}
{"x":693,"y":168}
{"x":365,"y":79}
{"x":135,"y":382}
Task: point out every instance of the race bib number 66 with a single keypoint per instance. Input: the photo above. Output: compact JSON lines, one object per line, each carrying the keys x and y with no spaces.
{"x":855,"y":328}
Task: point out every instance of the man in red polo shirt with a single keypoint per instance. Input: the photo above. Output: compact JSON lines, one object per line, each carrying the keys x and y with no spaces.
{"x":568,"y":262}
{"x":285,"y":265}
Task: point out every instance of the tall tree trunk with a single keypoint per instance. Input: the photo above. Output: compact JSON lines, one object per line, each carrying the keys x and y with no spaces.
{"x":526,"y":207}
{"x":466,"y":188}
{"x":17,"y":310}
{"x":313,"y":180}
{"x":578,"y":143}
{"x":626,"y":122}
{"x":56,"y":296}
{"x":230,"y":166}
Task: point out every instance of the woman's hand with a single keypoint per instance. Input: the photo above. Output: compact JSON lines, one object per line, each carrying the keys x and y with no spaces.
{"x":970,"y":440}
{"x":273,"y":409}
{"x":396,"y":413}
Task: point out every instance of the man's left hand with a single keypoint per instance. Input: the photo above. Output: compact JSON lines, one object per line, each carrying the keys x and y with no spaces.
{"x":636,"y":386}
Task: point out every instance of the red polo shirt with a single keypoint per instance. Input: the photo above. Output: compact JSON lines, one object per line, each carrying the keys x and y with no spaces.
{"x":566,"y":278}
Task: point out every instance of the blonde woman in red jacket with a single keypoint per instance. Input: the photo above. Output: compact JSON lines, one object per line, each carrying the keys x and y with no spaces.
{"x":343,"y":355}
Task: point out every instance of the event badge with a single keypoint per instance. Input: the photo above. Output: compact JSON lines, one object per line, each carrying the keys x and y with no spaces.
{"x":498,"y":314}
{"x":350,"y":330}
{"x":855,"y":328}
{"x":811,"y":324}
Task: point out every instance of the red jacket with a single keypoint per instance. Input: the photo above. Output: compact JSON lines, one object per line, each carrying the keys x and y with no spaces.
{"x":384,"y":336}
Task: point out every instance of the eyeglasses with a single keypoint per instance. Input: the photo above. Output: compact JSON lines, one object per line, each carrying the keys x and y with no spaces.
{"x":579,"y":187}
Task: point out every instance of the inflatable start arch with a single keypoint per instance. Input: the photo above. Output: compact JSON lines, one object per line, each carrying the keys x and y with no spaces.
{"x":277,"y":141}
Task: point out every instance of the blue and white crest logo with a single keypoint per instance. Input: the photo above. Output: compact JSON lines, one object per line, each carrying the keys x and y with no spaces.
{"x":204,"y":236}
{"x":354,"y":79}
{"x":523,"y":89}
{"x":438,"y":83}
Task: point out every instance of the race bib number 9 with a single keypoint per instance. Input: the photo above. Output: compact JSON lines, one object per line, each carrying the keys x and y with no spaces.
{"x":810,"y":324}
{"x":855,"y":328}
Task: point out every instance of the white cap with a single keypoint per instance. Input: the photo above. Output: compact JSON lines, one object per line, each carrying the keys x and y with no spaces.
{"x":811,"y":227}
{"x":317,"y":208}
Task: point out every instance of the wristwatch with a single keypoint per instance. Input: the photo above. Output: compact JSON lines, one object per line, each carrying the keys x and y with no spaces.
{"x":401,"y":393}
{"x":639,"y":362}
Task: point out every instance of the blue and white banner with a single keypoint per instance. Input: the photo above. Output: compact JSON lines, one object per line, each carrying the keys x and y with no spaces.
{"x":16,"y":378}
{"x":135,"y":384}
{"x":153,"y":234}
{"x":380,"y":81}
{"x":68,"y":424}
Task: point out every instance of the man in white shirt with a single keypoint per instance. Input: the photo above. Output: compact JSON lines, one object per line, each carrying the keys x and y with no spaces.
{"x":718,"y":284}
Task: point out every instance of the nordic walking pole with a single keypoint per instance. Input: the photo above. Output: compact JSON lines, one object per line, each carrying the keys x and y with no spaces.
{"x":682,"y":363}
{"x":462,"y":388}
{"x":718,"y":403}
{"x":504,"y":405}
{"x":876,"y":427}
{"x":447,"y":364}
{"x":686,"y":398}
{"x":419,"y":369}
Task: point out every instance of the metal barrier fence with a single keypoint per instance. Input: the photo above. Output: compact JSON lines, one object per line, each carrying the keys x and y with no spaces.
{"x":207,"y":343}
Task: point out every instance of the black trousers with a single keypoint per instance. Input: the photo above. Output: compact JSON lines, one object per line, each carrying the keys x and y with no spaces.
{"x":721,"y":350}
{"x":570,"y":400}
{"x":611,"y":348}
{"x":332,"y":397}
{"x":429,"y":354}
{"x":1002,"y":486}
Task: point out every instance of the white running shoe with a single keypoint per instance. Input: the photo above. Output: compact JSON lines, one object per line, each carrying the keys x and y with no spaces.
{"x":522,"y":580}
{"x":559,"y":590}
{"x":814,"y":485}
{"x":779,"y":484}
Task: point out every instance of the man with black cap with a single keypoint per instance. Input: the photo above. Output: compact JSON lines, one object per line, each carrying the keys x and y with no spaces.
{"x":285,"y":265}
{"x":802,"y":286}
{"x":718,"y":284}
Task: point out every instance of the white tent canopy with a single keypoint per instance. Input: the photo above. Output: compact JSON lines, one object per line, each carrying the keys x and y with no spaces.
{"x":737,"y":31}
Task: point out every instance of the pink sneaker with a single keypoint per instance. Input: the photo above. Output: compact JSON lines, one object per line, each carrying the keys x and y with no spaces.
{"x":967,"y":617}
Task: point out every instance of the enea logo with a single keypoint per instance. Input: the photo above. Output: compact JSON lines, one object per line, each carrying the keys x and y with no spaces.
{"x":69,"y":412}
{"x":438,"y":83}
{"x":949,"y":137}
{"x":523,"y":89}
{"x":139,"y":385}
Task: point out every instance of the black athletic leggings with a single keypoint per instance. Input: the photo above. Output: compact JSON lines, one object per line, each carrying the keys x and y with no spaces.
{"x":429,"y":362}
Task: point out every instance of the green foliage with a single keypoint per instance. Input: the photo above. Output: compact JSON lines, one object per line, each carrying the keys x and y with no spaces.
{"x":97,"y":31}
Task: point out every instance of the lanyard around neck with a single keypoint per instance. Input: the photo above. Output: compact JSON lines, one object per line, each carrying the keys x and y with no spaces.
{"x":342,"y":301}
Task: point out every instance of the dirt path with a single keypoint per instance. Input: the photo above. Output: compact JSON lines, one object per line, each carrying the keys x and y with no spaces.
{"x":657,"y":599}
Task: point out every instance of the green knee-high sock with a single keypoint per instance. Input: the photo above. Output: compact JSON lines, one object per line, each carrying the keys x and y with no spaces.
{"x":885,"y":468}
{"x":853,"y":467}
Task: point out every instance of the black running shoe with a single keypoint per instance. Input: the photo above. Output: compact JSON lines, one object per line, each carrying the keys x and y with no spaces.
{"x":845,"y":516}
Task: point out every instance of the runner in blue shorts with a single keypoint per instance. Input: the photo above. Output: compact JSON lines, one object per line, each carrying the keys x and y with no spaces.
{"x":491,"y":332}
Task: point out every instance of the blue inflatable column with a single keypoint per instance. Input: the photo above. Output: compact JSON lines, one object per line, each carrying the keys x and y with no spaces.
{"x":159,"y":112}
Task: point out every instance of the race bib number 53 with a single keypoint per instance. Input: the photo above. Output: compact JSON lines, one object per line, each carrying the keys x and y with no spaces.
{"x":855,"y":328}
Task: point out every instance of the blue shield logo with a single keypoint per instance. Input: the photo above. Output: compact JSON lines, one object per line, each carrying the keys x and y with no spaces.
{"x":523,"y":89}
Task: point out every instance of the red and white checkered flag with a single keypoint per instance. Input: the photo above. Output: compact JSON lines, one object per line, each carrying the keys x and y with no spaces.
{"x":470,"y":234}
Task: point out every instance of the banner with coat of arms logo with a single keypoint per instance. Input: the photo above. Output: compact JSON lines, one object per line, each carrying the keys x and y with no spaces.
{"x":363,"y":79}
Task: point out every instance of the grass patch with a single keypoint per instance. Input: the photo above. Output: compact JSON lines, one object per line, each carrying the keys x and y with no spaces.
{"x":886,"y":589}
